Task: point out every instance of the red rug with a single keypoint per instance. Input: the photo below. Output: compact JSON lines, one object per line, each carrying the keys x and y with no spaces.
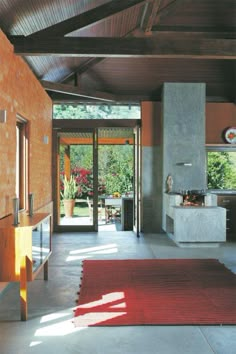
{"x":156,"y":292}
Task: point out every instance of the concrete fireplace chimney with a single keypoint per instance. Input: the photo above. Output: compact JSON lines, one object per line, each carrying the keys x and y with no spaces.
{"x":184,"y":135}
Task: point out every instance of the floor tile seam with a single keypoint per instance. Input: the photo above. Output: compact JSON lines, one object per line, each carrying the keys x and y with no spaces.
{"x":206,"y":339}
{"x":149,"y":248}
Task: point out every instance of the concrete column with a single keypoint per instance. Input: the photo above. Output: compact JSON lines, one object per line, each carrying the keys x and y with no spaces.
{"x":184,"y":156}
{"x":184,"y":135}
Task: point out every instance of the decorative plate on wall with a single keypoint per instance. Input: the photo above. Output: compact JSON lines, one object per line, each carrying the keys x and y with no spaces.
{"x":230,"y":135}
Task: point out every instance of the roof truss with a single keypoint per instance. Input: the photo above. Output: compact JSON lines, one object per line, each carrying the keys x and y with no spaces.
{"x":154,"y":47}
{"x":150,"y":39}
{"x":89,"y":17}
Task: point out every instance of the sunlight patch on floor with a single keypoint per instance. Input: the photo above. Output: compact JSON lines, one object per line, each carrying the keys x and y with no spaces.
{"x":94,"y":317}
{"x":33,"y":344}
{"x":104,"y":300}
{"x":58,"y":329}
{"x":54,"y":316}
{"x":90,"y":251}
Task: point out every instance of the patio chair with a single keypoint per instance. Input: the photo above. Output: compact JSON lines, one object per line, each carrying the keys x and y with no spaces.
{"x":112,"y":209}
{"x":90,"y":206}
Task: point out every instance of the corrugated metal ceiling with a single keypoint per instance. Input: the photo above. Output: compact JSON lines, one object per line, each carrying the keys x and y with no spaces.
{"x":102,"y":133}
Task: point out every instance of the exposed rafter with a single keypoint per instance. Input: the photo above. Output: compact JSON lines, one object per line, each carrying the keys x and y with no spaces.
{"x":87,"y":18}
{"x":83,"y":68}
{"x":158,"y":47}
{"x":74,"y":91}
{"x":91,"y":62}
{"x":162,"y":30}
{"x":203,"y":31}
{"x":171,"y":7}
{"x":150,"y":12}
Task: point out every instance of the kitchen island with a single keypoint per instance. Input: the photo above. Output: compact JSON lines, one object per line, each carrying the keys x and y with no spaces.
{"x":195,"y":226}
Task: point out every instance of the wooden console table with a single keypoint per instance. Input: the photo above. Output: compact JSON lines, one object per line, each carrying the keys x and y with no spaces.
{"x":24,"y":251}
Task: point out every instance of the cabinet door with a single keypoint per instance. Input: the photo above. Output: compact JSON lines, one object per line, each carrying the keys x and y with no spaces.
{"x":229,"y":203}
{"x":231,"y":216}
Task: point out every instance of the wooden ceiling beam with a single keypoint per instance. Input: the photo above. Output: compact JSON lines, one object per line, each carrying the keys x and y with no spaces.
{"x":87,"y":18}
{"x":153,"y":47}
{"x":74,"y":91}
{"x":209,"y":98}
{"x":91,"y":62}
{"x":201,"y":31}
{"x":154,"y":11}
{"x":69,"y":99}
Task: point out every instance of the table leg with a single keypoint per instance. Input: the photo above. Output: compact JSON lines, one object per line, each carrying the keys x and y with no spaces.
{"x":45,"y":271}
{"x":23,"y":289}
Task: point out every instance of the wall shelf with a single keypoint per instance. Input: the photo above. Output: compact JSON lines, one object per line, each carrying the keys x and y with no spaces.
{"x":227,"y":145}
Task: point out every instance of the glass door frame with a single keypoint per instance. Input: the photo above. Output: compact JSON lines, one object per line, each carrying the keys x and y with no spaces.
{"x":72,"y":125}
{"x":56,"y":177}
{"x":137,"y":180}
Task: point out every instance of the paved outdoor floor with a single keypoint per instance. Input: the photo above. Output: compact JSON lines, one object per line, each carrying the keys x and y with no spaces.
{"x":49,"y":328}
{"x":114,"y":225}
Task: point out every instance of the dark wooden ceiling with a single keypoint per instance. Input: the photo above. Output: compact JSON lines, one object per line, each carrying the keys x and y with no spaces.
{"x":124,"y":50}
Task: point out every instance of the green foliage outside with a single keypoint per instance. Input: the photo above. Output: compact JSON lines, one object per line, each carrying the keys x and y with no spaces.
{"x":115,"y":163}
{"x":69,"y":189}
{"x":221,"y":170}
{"x":101,"y":111}
{"x":116,"y":167}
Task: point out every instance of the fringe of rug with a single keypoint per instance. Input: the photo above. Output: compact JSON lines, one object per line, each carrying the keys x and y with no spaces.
{"x":80,"y":284}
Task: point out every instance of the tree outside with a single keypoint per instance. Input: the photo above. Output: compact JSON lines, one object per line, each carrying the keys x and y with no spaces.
{"x":99,"y":111}
{"x":116,"y":168}
{"x":115,"y":164}
{"x":221,"y":170}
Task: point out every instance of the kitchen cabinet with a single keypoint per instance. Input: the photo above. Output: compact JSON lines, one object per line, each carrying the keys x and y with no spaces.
{"x":194,"y":226}
{"x":127,"y":214}
{"x":229,"y":203}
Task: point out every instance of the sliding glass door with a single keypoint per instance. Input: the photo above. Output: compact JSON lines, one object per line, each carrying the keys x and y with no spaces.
{"x":77,"y":181}
{"x":94,"y":166}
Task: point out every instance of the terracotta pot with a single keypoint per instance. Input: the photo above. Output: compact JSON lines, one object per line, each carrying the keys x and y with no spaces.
{"x":69,"y":205}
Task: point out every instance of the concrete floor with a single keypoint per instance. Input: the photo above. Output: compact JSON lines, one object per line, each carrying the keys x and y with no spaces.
{"x":49,"y":328}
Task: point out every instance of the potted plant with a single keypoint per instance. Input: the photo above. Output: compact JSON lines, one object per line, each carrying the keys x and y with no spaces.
{"x":69,"y":194}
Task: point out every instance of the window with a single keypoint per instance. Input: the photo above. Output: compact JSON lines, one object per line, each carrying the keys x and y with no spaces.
{"x":21,"y":162}
{"x":221,"y":168}
{"x":96,"y":111}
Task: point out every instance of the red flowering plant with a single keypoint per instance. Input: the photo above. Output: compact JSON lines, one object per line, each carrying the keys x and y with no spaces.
{"x":84,"y":180}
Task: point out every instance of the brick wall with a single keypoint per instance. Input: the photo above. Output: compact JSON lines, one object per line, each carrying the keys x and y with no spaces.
{"x":21,"y":94}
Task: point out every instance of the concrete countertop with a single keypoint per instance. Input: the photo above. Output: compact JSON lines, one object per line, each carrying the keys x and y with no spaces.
{"x":222,"y":191}
{"x":195,"y":206}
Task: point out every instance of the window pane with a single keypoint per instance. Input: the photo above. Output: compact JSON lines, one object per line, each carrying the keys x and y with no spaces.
{"x":21,"y":162}
{"x":102,"y":111}
{"x":221,"y":169}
